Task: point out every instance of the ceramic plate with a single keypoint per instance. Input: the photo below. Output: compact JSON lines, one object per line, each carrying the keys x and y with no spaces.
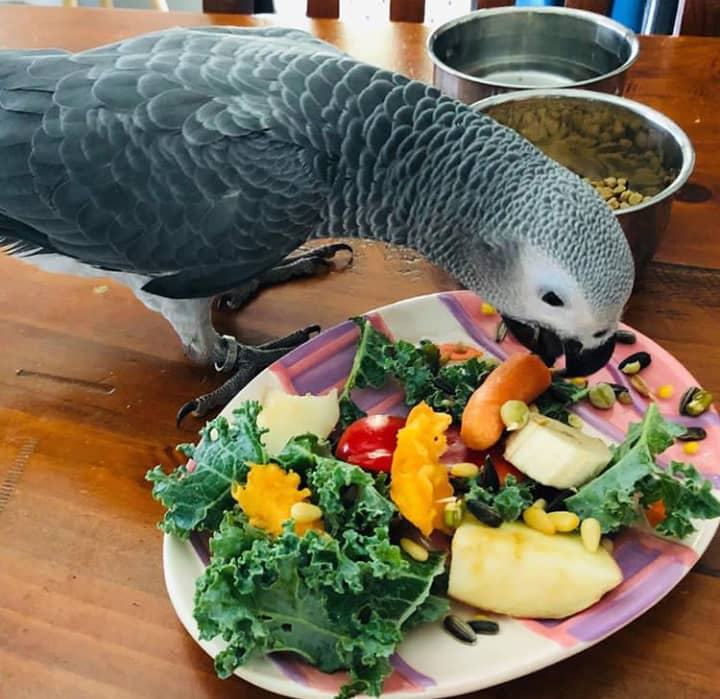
{"x":430,"y":663}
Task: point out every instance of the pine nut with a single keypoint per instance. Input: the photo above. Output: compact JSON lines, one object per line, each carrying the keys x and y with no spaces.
{"x":464,"y":470}
{"x":305,"y":512}
{"x":590,"y":533}
{"x":414,"y":550}
{"x":536,"y":518}
{"x":564,"y":521}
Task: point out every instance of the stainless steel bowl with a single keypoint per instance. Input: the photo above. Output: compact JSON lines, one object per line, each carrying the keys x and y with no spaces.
{"x":510,"y":48}
{"x":629,"y":135}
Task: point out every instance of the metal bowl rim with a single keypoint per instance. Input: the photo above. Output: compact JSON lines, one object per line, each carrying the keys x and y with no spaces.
{"x":652,"y":115}
{"x":627,"y":34}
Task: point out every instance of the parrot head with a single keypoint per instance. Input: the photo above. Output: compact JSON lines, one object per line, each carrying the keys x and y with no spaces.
{"x":552,"y":258}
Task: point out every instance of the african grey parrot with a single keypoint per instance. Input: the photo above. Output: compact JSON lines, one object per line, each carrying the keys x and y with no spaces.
{"x":190,"y":162}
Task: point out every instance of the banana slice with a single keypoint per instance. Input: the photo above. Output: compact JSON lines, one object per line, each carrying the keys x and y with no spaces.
{"x":552,"y":453}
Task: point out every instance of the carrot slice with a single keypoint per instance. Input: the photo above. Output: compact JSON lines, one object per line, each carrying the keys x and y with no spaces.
{"x":655,"y":513}
{"x":457,"y":352}
{"x":520,"y":377}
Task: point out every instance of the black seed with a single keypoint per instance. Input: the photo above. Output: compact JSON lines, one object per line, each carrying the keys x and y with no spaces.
{"x":625,"y":337}
{"x":687,"y":398}
{"x":460,"y":629}
{"x":692,"y":434}
{"x":642,"y":358}
{"x":624,"y":398}
{"x":618,"y":388}
{"x":486,"y":514}
{"x":558,"y":502}
{"x":484,"y":626}
{"x":488,"y":477}
{"x":459,"y":485}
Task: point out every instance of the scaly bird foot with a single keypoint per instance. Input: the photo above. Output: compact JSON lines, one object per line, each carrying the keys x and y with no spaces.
{"x":307,"y":264}
{"x":246,"y":361}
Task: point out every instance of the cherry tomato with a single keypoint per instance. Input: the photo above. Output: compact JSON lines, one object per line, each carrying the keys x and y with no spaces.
{"x":370,"y":442}
{"x":457,"y":452}
{"x":503,"y":467}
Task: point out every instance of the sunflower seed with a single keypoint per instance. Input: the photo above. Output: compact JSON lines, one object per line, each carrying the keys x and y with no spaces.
{"x":692,"y":434}
{"x":460,"y":629}
{"x":486,"y":514}
{"x":635,"y":362}
{"x":484,"y":626}
{"x":625,"y":337}
{"x":695,"y":401}
{"x":501,"y":332}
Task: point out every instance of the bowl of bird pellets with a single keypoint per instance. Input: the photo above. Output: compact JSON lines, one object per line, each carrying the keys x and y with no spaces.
{"x":635,"y":158}
{"x":504,"y":49}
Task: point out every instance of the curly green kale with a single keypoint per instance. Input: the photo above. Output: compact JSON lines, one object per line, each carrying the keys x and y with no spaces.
{"x":416,"y":368}
{"x":633,"y":478}
{"x":509,"y":500}
{"x":197,"y":500}
{"x":556,"y":401}
{"x":340,"y":601}
{"x":685,"y":495}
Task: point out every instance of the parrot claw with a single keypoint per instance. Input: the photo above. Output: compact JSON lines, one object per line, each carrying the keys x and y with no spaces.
{"x":246,"y":361}
{"x":307,"y":264}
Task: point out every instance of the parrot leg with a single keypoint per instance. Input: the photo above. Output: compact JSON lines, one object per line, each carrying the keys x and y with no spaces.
{"x":307,"y":264}
{"x":246,"y":361}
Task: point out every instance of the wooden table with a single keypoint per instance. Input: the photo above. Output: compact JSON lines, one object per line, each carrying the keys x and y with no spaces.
{"x":90,"y":381}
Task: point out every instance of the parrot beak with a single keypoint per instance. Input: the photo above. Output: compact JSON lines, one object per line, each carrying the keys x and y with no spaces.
{"x":548,"y":346}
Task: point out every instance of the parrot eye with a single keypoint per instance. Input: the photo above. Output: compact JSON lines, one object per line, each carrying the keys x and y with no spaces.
{"x":552,"y":299}
{"x":601,"y":333}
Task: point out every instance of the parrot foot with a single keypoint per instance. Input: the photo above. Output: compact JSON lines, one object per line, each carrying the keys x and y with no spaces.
{"x":246,"y":361}
{"x":307,"y":264}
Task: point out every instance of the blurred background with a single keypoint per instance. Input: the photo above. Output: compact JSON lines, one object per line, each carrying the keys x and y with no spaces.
{"x":643,"y":16}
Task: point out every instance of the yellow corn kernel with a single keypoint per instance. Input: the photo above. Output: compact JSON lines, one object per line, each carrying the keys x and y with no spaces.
{"x":487,"y":310}
{"x":691,"y":447}
{"x":665,"y":391}
{"x":537,"y":518}
{"x":590,"y":533}
{"x":564,"y":521}
{"x":464,"y":470}
{"x":414,"y":550}
{"x":304,"y":512}
{"x":579,"y":381}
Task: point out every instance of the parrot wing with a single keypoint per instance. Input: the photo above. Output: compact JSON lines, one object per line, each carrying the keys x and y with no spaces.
{"x":168,"y":155}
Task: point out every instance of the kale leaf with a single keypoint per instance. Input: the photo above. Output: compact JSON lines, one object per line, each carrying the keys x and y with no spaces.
{"x":340,"y":601}
{"x":632,"y":475}
{"x":510,"y":500}
{"x":685,"y":495}
{"x":556,"y":401}
{"x":416,"y":368}
{"x":369,"y":369}
{"x":196,"y":500}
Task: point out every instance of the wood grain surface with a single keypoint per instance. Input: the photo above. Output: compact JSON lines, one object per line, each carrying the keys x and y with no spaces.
{"x":90,"y":381}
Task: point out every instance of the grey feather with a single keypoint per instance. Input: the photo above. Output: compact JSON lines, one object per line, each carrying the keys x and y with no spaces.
{"x":198,"y":158}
